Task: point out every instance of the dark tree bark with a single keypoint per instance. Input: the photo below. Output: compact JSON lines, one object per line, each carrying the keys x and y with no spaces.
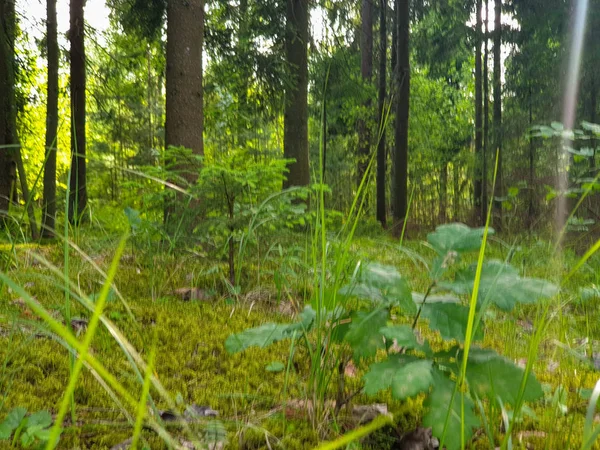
{"x":443,"y":216}
{"x":477,"y":196}
{"x":486,"y":118}
{"x":242,"y":50}
{"x":78,"y":183}
{"x":184,"y":93}
{"x":7,"y":160}
{"x":366,"y":71}
{"x":399,"y":204}
{"x":531,"y":208}
{"x":497,"y":87}
{"x":295,"y":120}
{"x":381,"y":156}
{"x":49,"y":205}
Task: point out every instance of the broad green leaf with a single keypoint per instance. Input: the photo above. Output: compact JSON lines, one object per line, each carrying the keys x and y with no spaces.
{"x":363,"y":333}
{"x":269,"y":333}
{"x":133,"y":216}
{"x":41,"y":418}
{"x":440,"y":404}
{"x":502,"y":285}
{"x":404,"y":335}
{"x":406,"y":375}
{"x":275,"y":366}
{"x":262,"y":336}
{"x":456,"y":237}
{"x":382,"y":284}
{"x":11,"y":422}
{"x":435,"y":298}
{"x":490,"y":375}
{"x":450,"y":319}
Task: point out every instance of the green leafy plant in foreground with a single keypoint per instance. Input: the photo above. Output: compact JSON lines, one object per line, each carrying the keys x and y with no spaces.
{"x":29,"y":430}
{"x":398,"y":358}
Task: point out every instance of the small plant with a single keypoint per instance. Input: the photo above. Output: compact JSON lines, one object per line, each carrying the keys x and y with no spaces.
{"x":397,"y":357}
{"x":31,"y":430}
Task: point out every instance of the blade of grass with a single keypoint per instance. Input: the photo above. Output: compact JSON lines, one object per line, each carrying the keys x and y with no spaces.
{"x":87,"y":340}
{"x":142,"y":406}
{"x":357,"y":433}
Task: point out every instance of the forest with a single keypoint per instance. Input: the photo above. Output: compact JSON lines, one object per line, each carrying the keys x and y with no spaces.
{"x":294,"y":224}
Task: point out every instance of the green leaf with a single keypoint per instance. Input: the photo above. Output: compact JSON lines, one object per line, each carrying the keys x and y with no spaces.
{"x":406,"y":375}
{"x":135,"y":221}
{"x":382,"y":284}
{"x":450,"y":319}
{"x":275,"y":366}
{"x":490,"y":375}
{"x":40,"y":418}
{"x":502,"y":285}
{"x":404,"y":335}
{"x":269,"y":333}
{"x":435,"y":298}
{"x":440,"y":404}
{"x":262,"y":336}
{"x":363,"y":333}
{"x":11,"y":422}
{"x":456,"y":237}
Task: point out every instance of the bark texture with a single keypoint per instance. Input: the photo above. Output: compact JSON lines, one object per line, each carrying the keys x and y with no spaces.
{"x":381,"y":156}
{"x":478,"y":118}
{"x":497,"y":87}
{"x":366,"y":70}
{"x":49,"y":203}
{"x":77,"y":182}
{"x":402,"y":75}
{"x":295,"y":121}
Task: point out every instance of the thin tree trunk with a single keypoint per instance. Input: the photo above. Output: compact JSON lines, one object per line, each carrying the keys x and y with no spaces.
{"x":26,"y":196}
{"x":498,"y":192}
{"x":7,"y":163}
{"x":242,"y":122}
{"x":78,"y":182}
{"x":455,"y":190}
{"x":402,"y":112}
{"x":381,"y":166}
{"x":478,"y":116}
{"x":295,"y":121}
{"x":443,"y":216}
{"x":531,"y":208}
{"x":49,"y":202}
{"x":486,"y":118}
{"x":366,"y":70}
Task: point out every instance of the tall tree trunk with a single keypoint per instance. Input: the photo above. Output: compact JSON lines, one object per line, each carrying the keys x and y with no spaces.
{"x":184,"y":94}
{"x":486,"y":117}
{"x":366,"y":71}
{"x":49,"y":208}
{"x":7,"y":162}
{"x":497,"y":83}
{"x":531,"y":208}
{"x":242,"y":50}
{"x":295,"y":120}
{"x":478,"y":116}
{"x":381,"y":166}
{"x":443,"y":216}
{"x":402,"y":112}
{"x":593,"y":106}
{"x":78,"y":183}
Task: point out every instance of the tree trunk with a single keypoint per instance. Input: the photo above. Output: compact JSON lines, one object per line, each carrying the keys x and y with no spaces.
{"x":478,"y":128}
{"x":498,"y":191}
{"x":381,"y":166}
{"x":402,"y":112}
{"x":49,"y":208}
{"x":184,"y":93}
{"x":295,"y":120}
{"x":443,"y":215}
{"x":531,"y":208}
{"x":242,"y":50}
{"x":486,"y":118}
{"x":366,"y":71}
{"x":7,"y":162}
{"x":77,"y":184}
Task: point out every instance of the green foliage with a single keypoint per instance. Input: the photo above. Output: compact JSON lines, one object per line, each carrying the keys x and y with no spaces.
{"x":369,"y":329}
{"x":27,"y":430}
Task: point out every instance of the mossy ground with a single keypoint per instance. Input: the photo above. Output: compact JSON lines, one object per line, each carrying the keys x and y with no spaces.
{"x":192,"y":362}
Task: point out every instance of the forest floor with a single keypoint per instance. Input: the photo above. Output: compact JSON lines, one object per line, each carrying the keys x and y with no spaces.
{"x":189,"y":329}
